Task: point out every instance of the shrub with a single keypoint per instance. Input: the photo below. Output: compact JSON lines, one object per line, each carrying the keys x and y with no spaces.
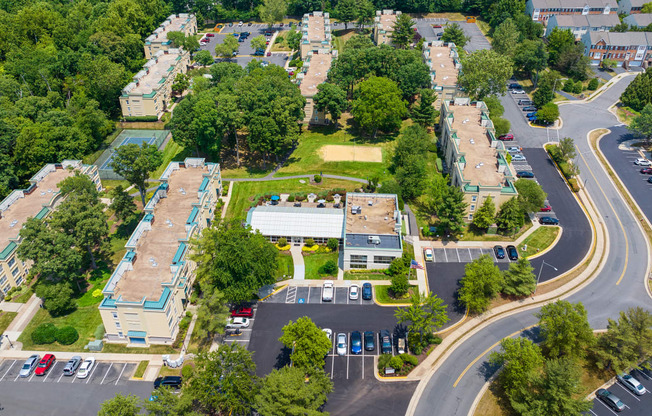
{"x":291,"y":198}
{"x":574,"y":185}
{"x":67,"y":335}
{"x":185,"y":322}
{"x":194,"y":297}
{"x":142,"y":118}
{"x":279,"y":39}
{"x":396,"y":267}
{"x":99,"y":332}
{"x":333,"y":244}
{"x":282,"y":242}
{"x":593,"y":84}
{"x":383,"y":361}
{"x":44,"y":334}
{"x":414,"y":343}
{"x":309,"y":242}
{"x":186,"y":371}
{"x":188,"y":314}
{"x":568,"y":85}
{"x":578,"y":87}
{"x":329,"y":268}
{"x":298,"y":63}
{"x":409,"y":359}
{"x":400,"y":285}
{"x":318,"y":178}
{"x":300,"y":198}
{"x":396,"y":362}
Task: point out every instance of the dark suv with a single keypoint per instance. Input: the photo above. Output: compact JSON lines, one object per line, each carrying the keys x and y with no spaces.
{"x":385,"y":342}
{"x":512,"y":253}
{"x":168,"y":381}
{"x":366,"y":291}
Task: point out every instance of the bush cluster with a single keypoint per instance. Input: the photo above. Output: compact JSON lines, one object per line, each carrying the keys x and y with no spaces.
{"x":142,"y":118}
{"x":44,"y":334}
{"x":67,"y":335}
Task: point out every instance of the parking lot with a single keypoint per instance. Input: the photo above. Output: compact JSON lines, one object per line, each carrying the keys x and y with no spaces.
{"x":464,"y":255}
{"x":103,"y":373}
{"x":312,"y":294}
{"x":634,"y":405}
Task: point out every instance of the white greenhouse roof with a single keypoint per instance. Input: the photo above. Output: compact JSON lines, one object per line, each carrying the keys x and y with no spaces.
{"x":297,"y":221}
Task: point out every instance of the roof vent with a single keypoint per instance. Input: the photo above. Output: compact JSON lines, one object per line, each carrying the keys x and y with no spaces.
{"x":373,"y":239}
{"x":370,"y":202}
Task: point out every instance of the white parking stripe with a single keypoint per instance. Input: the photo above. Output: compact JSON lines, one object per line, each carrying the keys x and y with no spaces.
{"x":471,"y":256}
{"x":363,"y":360}
{"x":3,"y":376}
{"x":605,"y":405}
{"x":333,"y":359}
{"x":33,"y":373}
{"x":90,"y":376}
{"x":49,"y":371}
{"x":347,"y":357}
{"x":308,"y":298}
{"x":107,"y":373}
{"x":627,"y":390}
{"x":120,"y":376}
{"x":59,"y":379}
{"x":446,"y":255}
{"x":458,"y":255}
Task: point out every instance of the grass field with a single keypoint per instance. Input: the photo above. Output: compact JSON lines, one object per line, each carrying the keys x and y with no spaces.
{"x":283,"y":45}
{"x":285,"y":265}
{"x":244,"y":192}
{"x":172,"y":152}
{"x":315,"y":261}
{"x":341,"y":36}
{"x":5,"y":320}
{"x":382,"y":294}
{"x":539,"y":240}
{"x":85,"y":320}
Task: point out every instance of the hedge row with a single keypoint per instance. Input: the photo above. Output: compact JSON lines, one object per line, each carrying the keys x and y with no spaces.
{"x":142,"y":118}
{"x":47,"y":333}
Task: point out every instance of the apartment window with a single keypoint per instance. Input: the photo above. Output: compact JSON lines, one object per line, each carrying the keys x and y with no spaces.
{"x":117,"y":325}
{"x":358,"y":261}
{"x":14,"y":272}
{"x":170,"y":322}
{"x":3,"y":280}
{"x":470,"y":217}
{"x":19,"y":281}
{"x":6,"y":289}
{"x":383,"y":259}
{"x":115,"y":315}
{"x":120,"y":334}
{"x":11,"y":262}
{"x":472,"y":208}
{"x":474,"y":198}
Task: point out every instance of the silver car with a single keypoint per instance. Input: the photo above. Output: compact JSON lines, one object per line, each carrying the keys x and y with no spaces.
{"x":341,"y":344}
{"x":72,"y":365}
{"x":29,"y":365}
{"x":518,"y":158}
{"x":633,"y":384}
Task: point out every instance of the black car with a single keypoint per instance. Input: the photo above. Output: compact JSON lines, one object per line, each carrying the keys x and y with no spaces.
{"x":524,"y":174}
{"x":385,"y":342}
{"x":499,"y":251}
{"x":515,"y":86}
{"x":649,"y":179}
{"x":548,"y":221}
{"x":512,"y":253}
{"x":168,"y":381}
{"x":369,"y":342}
{"x":611,"y":400}
{"x":366,"y":291}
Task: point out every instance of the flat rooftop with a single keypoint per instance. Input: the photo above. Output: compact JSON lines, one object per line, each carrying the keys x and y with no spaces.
{"x":375,"y":219}
{"x":15,"y":216}
{"x":173,"y":23}
{"x":316,"y":28}
{"x":150,"y":81}
{"x":481,"y":159}
{"x":156,"y":248}
{"x":443,"y":65}
{"x":387,"y":22}
{"x":316,"y":74}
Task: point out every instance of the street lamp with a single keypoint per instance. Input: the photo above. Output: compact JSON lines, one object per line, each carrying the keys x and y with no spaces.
{"x":540,"y":270}
{"x":8,"y":339}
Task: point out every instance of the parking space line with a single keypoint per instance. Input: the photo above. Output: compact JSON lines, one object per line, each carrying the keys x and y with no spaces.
{"x":308,"y":298}
{"x":470,"y":255}
{"x":627,"y":390}
{"x":363,"y":363}
{"x":9,"y":369}
{"x":59,"y":379}
{"x":493,"y":254}
{"x":347,"y":357}
{"x":348,"y":298}
{"x":17,"y":375}
{"x":120,"y":376}
{"x":446,"y":255}
{"x":33,"y":374}
{"x":333,"y":356}
{"x":334,"y":294}
{"x":106,"y":374}
{"x":50,"y":371}
{"x":90,"y":376}
{"x":458,"y":255}
{"x":605,"y":405}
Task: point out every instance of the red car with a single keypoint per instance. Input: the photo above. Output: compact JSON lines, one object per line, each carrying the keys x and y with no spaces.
{"x":547,"y":208}
{"x":242,"y":313}
{"x":506,"y":137}
{"x":437,"y":26}
{"x":647,"y":170}
{"x":45,"y":364}
{"x":210,"y":35}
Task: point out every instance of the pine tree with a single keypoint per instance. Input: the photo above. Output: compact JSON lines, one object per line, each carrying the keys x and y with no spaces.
{"x":425,"y":113}
{"x":519,"y":279}
{"x":484,"y":216}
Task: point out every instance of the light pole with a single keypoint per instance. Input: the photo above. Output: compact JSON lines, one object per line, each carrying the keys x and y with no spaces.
{"x":10,"y":344}
{"x":540,"y":270}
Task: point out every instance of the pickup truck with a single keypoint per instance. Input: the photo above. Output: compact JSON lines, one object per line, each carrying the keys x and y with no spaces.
{"x":327,"y":291}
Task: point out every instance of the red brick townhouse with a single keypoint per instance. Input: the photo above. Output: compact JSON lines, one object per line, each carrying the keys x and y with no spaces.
{"x":632,"y":47}
{"x":541,"y":10}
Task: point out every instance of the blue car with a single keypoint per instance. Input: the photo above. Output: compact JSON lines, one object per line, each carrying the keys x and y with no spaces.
{"x":366,"y":291}
{"x":356,"y":342}
{"x":532,"y":114}
{"x":530,"y":108}
{"x":533,"y":118}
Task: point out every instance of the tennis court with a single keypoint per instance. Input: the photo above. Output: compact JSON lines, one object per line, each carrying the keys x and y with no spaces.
{"x":152,"y":137}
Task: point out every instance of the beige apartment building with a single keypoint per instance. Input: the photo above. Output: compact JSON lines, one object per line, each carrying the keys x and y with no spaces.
{"x":158,"y":40}
{"x":37,"y":201}
{"x":384,"y":26}
{"x":314,"y":72}
{"x":444,"y":65}
{"x":477,"y":161}
{"x":316,"y":34}
{"x":150,"y":92}
{"x":146,"y":296}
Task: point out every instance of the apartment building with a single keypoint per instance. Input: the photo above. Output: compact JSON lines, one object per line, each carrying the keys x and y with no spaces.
{"x":639,"y":20}
{"x":146,"y":296}
{"x":542,"y":10}
{"x":37,"y":201}
{"x":158,"y":40}
{"x":316,"y":34}
{"x":384,"y":26}
{"x":581,"y":24}
{"x":628,"y":48}
{"x":631,"y":6}
{"x":314,"y":72}
{"x":150,"y":92}
{"x":477,"y":161}
{"x":444,"y":64}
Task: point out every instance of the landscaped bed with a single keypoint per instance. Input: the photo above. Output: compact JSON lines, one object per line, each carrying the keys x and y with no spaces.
{"x":383,"y":295}
{"x":315,"y":262}
{"x":539,"y":240}
{"x":285,"y":266}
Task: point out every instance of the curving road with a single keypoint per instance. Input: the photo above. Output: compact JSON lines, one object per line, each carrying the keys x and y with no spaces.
{"x":619,"y":285}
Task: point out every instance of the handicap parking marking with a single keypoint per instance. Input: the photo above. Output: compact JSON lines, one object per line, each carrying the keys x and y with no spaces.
{"x":291,"y":295}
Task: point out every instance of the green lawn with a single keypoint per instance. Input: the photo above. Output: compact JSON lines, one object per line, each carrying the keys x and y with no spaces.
{"x":244,"y":192}
{"x":366,"y":276}
{"x":140,"y":370}
{"x":172,"y":152}
{"x":123,"y":349}
{"x":315,"y":261}
{"x":341,"y":36}
{"x":382,"y":294}
{"x":85,"y":320}
{"x":285,"y":265}
{"x":5,"y":320}
{"x":539,"y":240}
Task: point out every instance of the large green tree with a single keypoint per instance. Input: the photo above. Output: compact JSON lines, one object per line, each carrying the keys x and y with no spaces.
{"x":638,"y":93}
{"x":212,"y":313}
{"x":642,"y":123}
{"x":484,"y":73}
{"x":379,"y":106}
{"x":136,"y":163}
{"x":531,"y":56}
{"x":565,"y":329}
{"x":331,"y":99}
{"x":531,"y":196}
{"x":455,"y":34}
{"x":559,"y":40}
{"x":273,"y":11}
{"x":510,"y":217}
{"x":627,"y":342}
{"x":520,"y":358}
{"x":549,"y":113}
{"x":483,"y":217}
{"x":346,"y":11}
{"x":228,"y":47}
{"x":426,"y":313}
{"x":309,"y":344}
{"x":196,"y":123}
{"x":403,"y":31}
{"x":481,"y":283}
{"x":451,"y":209}
{"x":505,"y":38}
{"x":122,"y":204}
{"x":120,"y":405}
{"x":519,"y":279}
{"x":424,"y":113}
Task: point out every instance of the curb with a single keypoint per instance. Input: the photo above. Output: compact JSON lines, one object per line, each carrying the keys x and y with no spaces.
{"x":273,"y":293}
{"x":550,"y":247}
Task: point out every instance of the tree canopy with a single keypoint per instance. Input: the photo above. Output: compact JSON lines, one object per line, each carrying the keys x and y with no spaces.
{"x":639,"y":92}
{"x":485,"y":72}
{"x":308,"y":343}
{"x":379,"y":106}
{"x":136,"y":163}
{"x":565,"y":329}
{"x":481,"y":283}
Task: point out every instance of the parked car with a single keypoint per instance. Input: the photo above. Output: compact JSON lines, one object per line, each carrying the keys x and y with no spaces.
{"x":72,"y":365}
{"x":512,"y":253}
{"x":45,"y":364}
{"x":514,"y":149}
{"x":525,"y":102}
{"x":506,"y":137}
{"x":499,"y":251}
{"x":529,"y":108}
{"x":86,"y":367}
{"x":524,"y":174}
{"x":168,"y":381}
{"x":242,"y":313}
{"x":242,"y":39}
{"x":327,"y":291}
{"x":631,"y":383}
{"x":366,"y":291}
{"x":642,"y":162}
{"x":240,"y":23}
{"x":259,"y":52}
{"x":611,"y":400}
{"x":249,"y":24}
{"x":329,"y":333}
{"x":647,"y":171}
{"x":517,"y":91}
{"x":532,"y":114}
{"x":356,"y":342}
{"x":237,"y":323}
{"x":264,"y":64}
{"x":428,"y":254}
{"x":533,"y":118}
{"x":649,"y":179}
{"x":385,"y":342}
{"x":548,"y":221}
{"x":236,"y":34}
{"x":518,"y":158}
{"x":210,"y":35}
{"x":401,"y":345}
{"x":341,"y":343}
{"x":354,"y":292}
{"x":29,"y":365}
{"x":546,"y":208}
{"x":514,"y":86}
{"x":369,"y":341}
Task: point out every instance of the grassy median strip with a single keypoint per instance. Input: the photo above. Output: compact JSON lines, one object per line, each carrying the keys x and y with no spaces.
{"x":382,"y":295}
{"x":538,"y":241}
{"x":140,"y":370}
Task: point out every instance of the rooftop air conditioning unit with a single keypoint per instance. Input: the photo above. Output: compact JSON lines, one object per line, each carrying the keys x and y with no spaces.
{"x":373,"y":239}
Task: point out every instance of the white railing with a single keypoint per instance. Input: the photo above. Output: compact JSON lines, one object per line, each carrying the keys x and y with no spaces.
{"x":168,"y":171}
{"x":154,"y":200}
{"x":138,"y":232}
{"x":123,"y":267}
{"x":71,"y":163}
{"x":194,"y":162}
{"x":45,"y":170}
{"x":10,"y":199}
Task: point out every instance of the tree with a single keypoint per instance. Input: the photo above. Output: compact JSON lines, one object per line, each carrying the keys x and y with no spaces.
{"x":235,"y":260}
{"x":121,"y":406}
{"x":331,"y":99}
{"x":559,"y":40}
{"x":627,"y":341}
{"x":478,"y":80}
{"x":379,"y":106}
{"x":345,"y":11}
{"x":531,"y":56}
{"x":519,"y":280}
{"x":481,"y":283}
{"x":258,"y":42}
{"x":647,"y":8}
{"x":506,"y":37}
{"x":642,"y":123}
{"x":531,"y":196}
{"x":399,"y":284}
{"x":425,"y":113}
{"x":273,"y":11}
{"x":498,"y":12}
{"x":180,"y":40}
{"x":455,"y":34}
{"x":567,"y":149}
{"x":309,"y":344}
{"x":135,"y":163}
{"x":574,"y":63}
{"x":198,"y":122}
{"x":228,"y":47}
{"x":224,"y":381}
{"x":122,"y":203}
{"x":169,"y":403}
{"x":565,"y":329}
{"x":366,"y":11}
{"x":451,"y":211}
{"x":204,"y":57}
{"x":510,"y":217}
{"x":293,"y":39}
{"x":639,"y":92}
{"x":549,"y":113}
{"x":484,"y":216}
{"x":520,"y":358}
{"x":181,"y":83}
{"x":543,"y":95}
{"x":403,"y":31}
{"x":608,"y":64}
{"x":212,"y":313}
{"x":426,"y":313}
{"x":412,"y":78}
{"x":57,"y":297}
{"x":358,"y":41}
{"x":289,"y":392}
{"x":412,"y":176}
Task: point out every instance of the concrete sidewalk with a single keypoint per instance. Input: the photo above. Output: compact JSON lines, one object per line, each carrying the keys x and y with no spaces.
{"x":299,"y":265}
{"x":18,"y":325}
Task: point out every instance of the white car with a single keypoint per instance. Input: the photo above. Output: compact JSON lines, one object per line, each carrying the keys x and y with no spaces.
{"x":633,"y":384}
{"x":642,"y":162}
{"x":236,"y":323}
{"x":86,"y":367}
{"x":428,"y":254}
{"x":341,"y":344}
{"x":514,"y":149}
{"x":518,"y":158}
{"x":354,"y":292}
{"x":518,"y":92}
{"x":329,"y":333}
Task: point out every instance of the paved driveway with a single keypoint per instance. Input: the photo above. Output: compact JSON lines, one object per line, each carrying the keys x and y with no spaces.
{"x":634,"y":405}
